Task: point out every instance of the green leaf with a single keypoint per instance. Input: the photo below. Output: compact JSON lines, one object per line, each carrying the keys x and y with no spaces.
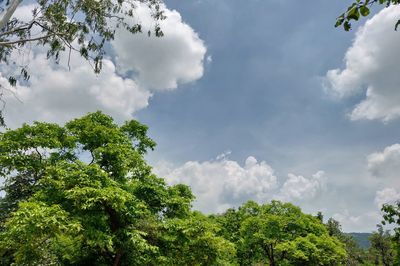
{"x":339,"y":21}
{"x":364,"y":11}
{"x":353,"y":13}
{"x":347,"y":26}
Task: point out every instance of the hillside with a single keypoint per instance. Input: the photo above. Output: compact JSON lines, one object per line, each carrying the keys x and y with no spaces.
{"x":362,"y":239}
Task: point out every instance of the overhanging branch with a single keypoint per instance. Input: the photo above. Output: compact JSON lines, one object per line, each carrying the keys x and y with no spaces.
{"x":25,"y":40}
{"x":8,"y":12}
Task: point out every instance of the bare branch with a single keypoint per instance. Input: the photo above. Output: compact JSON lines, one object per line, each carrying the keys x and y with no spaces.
{"x":25,"y":40}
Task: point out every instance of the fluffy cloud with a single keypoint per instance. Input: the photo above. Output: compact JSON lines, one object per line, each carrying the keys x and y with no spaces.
{"x":224,"y":183}
{"x":371,"y":66}
{"x":161,"y":63}
{"x":386,"y":195}
{"x":386,"y":164}
{"x":55,"y":93}
{"x":358,"y":223}
{"x":298,"y":188}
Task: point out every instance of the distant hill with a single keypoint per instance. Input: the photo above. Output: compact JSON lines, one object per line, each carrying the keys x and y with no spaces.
{"x":362,"y":239}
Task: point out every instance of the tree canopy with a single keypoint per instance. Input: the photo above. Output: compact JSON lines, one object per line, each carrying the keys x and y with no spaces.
{"x":279,"y":234}
{"x":70,"y":26}
{"x":84,"y":26}
{"x":82,"y":194}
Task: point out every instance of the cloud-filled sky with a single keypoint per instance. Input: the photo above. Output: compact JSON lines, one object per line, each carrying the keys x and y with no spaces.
{"x":248,"y":100}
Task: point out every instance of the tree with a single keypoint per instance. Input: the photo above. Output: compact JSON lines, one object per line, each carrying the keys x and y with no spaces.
{"x":82,"y":26}
{"x":355,"y":255}
{"x":279,"y":234}
{"x":82,"y":194}
{"x":360,"y":9}
{"x":193,"y":241}
{"x":382,"y":247}
{"x":391,"y":215}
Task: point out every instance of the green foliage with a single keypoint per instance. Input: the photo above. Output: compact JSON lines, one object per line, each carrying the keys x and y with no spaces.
{"x":392,"y":216}
{"x":40,"y":233}
{"x":84,"y":26}
{"x":382,"y":248}
{"x":355,"y":254}
{"x":279,"y":234}
{"x":360,"y":9}
{"x":195,"y":237}
{"x":82,"y":194}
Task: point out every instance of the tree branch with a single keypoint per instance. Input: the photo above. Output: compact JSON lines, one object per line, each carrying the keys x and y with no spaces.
{"x":8,"y":12}
{"x":25,"y":40}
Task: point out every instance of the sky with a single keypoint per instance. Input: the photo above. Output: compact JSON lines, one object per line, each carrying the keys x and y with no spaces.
{"x":247,"y":100}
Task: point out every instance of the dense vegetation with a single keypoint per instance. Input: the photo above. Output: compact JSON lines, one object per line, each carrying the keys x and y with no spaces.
{"x":82,"y":194}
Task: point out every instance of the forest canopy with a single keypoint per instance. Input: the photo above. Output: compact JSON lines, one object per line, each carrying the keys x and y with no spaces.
{"x":83,"y":194}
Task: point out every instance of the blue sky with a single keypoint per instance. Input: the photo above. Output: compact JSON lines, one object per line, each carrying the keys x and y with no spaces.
{"x":262,"y":95}
{"x":239,"y":99}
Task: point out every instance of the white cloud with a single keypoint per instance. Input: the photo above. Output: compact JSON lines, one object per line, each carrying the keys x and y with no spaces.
{"x":371,"y":66}
{"x":297,"y":188}
{"x":57,"y":94}
{"x":386,"y":195}
{"x":161,"y":63}
{"x":358,"y":223}
{"x":223,"y":183}
{"x":386,"y":164}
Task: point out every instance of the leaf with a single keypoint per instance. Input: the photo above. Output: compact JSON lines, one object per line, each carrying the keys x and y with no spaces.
{"x":339,"y":21}
{"x":353,"y":13}
{"x":364,"y":11}
{"x":12,"y":80}
{"x":347,"y":26}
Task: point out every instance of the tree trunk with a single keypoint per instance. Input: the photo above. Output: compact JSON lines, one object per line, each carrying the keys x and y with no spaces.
{"x":272,"y":259}
{"x":8,"y":12}
{"x":117,"y":258}
{"x":270,"y":254}
{"x":114,"y":226}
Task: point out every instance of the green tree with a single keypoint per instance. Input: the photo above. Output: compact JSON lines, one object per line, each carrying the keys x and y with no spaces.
{"x":82,"y":194}
{"x":279,"y":234}
{"x":193,"y":241}
{"x":391,"y":215}
{"x":81,"y":26}
{"x":382,"y":249}
{"x":84,"y":26}
{"x":355,"y":254}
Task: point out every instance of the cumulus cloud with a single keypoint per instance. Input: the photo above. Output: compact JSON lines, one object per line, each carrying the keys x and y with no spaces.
{"x":55,"y":93}
{"x":224,"y":183}
{"x":386,"y":195}
{"x":358,"y":223}
{"x":386,"y":164}
{"x":297,"y":187}
{"x":371,"y":65}
{"x":161,"y":63}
